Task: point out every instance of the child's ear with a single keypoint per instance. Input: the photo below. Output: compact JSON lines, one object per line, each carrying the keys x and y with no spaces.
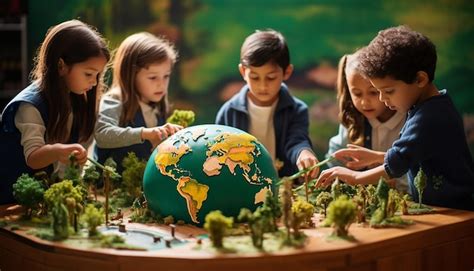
{"x":242,"y":70}
{"x":288,"y":72}
{"x":422,"y":79}
{"x":62,"y":67}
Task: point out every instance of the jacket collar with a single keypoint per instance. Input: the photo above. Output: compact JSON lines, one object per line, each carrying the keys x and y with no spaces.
{"x":285,"y":100}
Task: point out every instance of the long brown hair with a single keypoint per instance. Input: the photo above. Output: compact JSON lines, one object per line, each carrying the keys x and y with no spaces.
{"x":349,"y":116}
{"x":134,"y":53}
{"x":74,"y":42}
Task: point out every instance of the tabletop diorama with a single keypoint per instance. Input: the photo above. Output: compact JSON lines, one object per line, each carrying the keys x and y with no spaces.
{"x":210,"y":191}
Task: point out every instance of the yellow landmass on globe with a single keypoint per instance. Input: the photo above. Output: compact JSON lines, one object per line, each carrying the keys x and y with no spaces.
{"x":195,"y":194}
{"x":231,"y":150}
{"x":168,"y":155}
{"x":261,"y":195}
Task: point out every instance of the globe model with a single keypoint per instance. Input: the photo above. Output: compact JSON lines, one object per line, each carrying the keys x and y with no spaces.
{"x":208,"y":167}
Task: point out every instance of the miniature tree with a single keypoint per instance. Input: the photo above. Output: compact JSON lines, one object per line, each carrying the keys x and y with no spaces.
{"x":323,"y":200}
{"x":274,"y":209}
{"x":394,"y":202}
{"x":108,"y":172}
{"x":302,"y":212}
{"x":182,"y":117}
{"x":114,"y":177}
{"x":69,"y":196}
{"x":60,"y":222}
{"x":93,"y":217}
{"x":336,"y":189}
{"x":132,"y":176}
{"x":73,"y":171}
{"x":216,"y":224}
{"x":420,"y":184}
{"x":90,"y":178}
{"x":29,"y":193}
{"x":382,"y":194}
{"x":372,"y":200}
{"x":360,"y":208}
{"x":286,"y":199}
{"x":255,"y":222}
{"x":404,"y":203}
{"x":341,"y":214}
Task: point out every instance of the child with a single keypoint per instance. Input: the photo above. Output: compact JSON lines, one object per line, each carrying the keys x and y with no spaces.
{"x":132,"y":114}
{"x":54,"y":117}
{"x":366,"y":123}
{"x":401,"y":63}
{"x":265,"y":108}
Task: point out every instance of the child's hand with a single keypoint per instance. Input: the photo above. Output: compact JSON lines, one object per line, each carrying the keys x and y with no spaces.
{"x":307,"y":159}
{"x":329,"y":175}
{"x":157,"y":134}
{"x":64,"y":150}
{"x":357,"y":157}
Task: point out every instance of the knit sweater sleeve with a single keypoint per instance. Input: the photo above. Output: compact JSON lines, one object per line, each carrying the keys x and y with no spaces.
{"x":108,"y":133}
{"x":31,"y":126}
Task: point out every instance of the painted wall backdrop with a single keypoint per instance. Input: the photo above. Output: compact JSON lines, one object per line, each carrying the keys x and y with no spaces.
{"x":209,"y":33}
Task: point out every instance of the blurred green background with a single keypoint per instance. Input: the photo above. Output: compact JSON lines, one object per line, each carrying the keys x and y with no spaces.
{"x":209,"y":33}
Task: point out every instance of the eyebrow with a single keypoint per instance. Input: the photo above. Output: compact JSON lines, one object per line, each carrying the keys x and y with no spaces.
{"x":91,"y":68}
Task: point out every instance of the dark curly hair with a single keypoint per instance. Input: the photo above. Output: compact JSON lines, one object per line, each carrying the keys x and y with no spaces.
{"x":400,"y":53}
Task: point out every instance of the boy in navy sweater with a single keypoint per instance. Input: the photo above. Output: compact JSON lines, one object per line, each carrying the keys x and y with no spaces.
{"x":265,"y":108}
{"x":401,"y":64}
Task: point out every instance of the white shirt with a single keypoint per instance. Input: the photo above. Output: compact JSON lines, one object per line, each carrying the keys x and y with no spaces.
{"x":149,"y":114}
{"x":385,"y":133}
{"x":261,"y":125}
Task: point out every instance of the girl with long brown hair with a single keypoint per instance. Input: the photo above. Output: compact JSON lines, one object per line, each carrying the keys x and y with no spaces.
{"x":54,"y":117}
{"x":132,"y":114}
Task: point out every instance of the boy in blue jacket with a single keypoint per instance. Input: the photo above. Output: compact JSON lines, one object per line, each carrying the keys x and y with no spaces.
{"x":401,"y":64}
{"x":265,"y":108}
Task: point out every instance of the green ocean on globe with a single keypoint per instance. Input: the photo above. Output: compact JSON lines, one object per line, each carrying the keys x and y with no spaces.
{"x":208,"y":167}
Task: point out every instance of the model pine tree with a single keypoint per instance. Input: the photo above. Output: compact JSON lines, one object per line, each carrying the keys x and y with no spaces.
{"x":286,"y":203}
{"x":273,"y":206}
{"x":91,"y":177}
{"x":29,"y":193}
{"x":132,"y":176}
{"x":217,"y":224}
{"x":420,"y":184}
{"x":73,"y":171}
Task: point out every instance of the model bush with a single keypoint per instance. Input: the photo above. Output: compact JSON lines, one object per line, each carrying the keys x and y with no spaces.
{"x":217,"y":224}
{"x":29,"y":193}
{"x":182,"y":117}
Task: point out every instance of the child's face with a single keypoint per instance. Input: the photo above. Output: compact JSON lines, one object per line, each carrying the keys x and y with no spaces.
{"x":152,"y":82}
{"x":366,"y":98}
{"x":82,"y":77}
{"x":264,"y":82}
{"x":396,"y":94}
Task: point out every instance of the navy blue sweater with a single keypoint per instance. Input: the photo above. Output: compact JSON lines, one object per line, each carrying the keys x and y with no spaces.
{"x":290,"y":122}
{"x":433,"y":138}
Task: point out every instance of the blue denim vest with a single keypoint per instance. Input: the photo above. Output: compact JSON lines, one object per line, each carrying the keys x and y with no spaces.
{"x":12,"y":159}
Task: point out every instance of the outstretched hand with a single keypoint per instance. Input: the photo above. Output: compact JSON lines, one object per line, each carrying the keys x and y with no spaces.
{"x":307,"y":159}
{"x":329,"y":175}
{"x":157,"y":134}
{"x":357,"y":157}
